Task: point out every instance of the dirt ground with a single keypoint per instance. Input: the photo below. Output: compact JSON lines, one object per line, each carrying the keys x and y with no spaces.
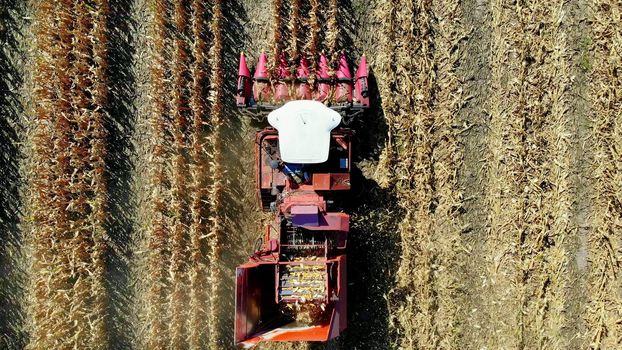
{"x":486,"y":210}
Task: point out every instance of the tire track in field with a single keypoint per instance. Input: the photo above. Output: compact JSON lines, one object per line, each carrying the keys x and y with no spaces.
{"x":603,"y":312}
{"x":474,"y":71}
{"x":547,"y":193}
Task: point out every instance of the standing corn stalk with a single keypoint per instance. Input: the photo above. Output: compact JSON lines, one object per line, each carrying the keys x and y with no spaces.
{"x":40,"y":178}
{"x":313,"y":42}
{"x":294,"y":29}
{"x":159,"y":231}
{"x":277,"y":33}
{"x":99,"y":37}
{"x":50,"y":325}
{"x":198,"y":170}
{"x":78,"y":149}
{"x":332,"y":35}
{"x":216,"y":189}
{"x":179,"y":203}
{"x":76,"y":295}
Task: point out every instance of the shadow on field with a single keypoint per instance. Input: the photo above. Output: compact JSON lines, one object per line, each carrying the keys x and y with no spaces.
{"x":119,"y":168}
{"x":239,"y":179}
{"x":373,"y":245}
{"x":12,"y":275}
{"x":374,"y":241}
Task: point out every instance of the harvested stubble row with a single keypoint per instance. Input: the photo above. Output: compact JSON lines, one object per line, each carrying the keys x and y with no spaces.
{"x":67,"y":193}
{"x":185,"y":176}
{"x":420,"y":96}
{"x":604,"y":311}
{"x":505,"y":177}
{"x":530,"y":191}
{"x":547,"y":192}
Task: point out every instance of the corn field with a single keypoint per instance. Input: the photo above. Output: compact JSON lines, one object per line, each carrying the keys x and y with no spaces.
{"x":486,"y":204}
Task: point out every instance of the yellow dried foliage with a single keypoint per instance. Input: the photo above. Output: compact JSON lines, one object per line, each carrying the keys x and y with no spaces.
{"x":68,"y":300}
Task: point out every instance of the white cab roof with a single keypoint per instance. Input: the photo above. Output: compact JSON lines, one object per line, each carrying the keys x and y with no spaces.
{"x":304,"y":130}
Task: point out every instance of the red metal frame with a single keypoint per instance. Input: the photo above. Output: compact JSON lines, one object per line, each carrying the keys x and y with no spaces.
{"x":265,"y":175}
{"x":246,"y":305}
{"x":263,"y":285}
{"x":253,"y":299}
{"x":269,"y":90}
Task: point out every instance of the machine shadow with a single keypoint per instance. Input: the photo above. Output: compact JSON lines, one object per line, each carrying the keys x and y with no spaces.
{"x":237,"y":153}
{"x":119,"y":172}
{"x":12,"y":274}
{"x":374,"y":243}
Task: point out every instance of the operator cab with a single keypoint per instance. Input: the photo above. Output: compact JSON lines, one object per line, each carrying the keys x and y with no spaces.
{"x":304,"y":131}
{"x":304,"y":148}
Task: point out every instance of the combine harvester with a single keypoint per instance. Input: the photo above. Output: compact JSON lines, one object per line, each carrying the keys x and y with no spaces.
{"x":294,"y":286}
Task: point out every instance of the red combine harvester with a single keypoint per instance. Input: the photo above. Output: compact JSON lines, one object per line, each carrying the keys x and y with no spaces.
{"x":294,"y":286}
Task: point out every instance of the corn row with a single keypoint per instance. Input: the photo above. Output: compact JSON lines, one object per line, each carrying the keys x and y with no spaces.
{"x":604,"y":243}
{"x":78,"y":117}
{"x":58,"y":327}
{"x":179,"y":203}
{"x":159,"y":231}
{"x":217,"y":176}
{"x":75,"y":292}
{"x":332,"y":35}
{"x":198,"y":171}
{"x":506,"y":180}
{"x":99,"y":42}
{"x":447,"y":155}
{"x":181,"y":234}
{"x":40,"y":196}
{"x":294,"y":30}
{"x":277,"y":31}
{"x":313,"y":41}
